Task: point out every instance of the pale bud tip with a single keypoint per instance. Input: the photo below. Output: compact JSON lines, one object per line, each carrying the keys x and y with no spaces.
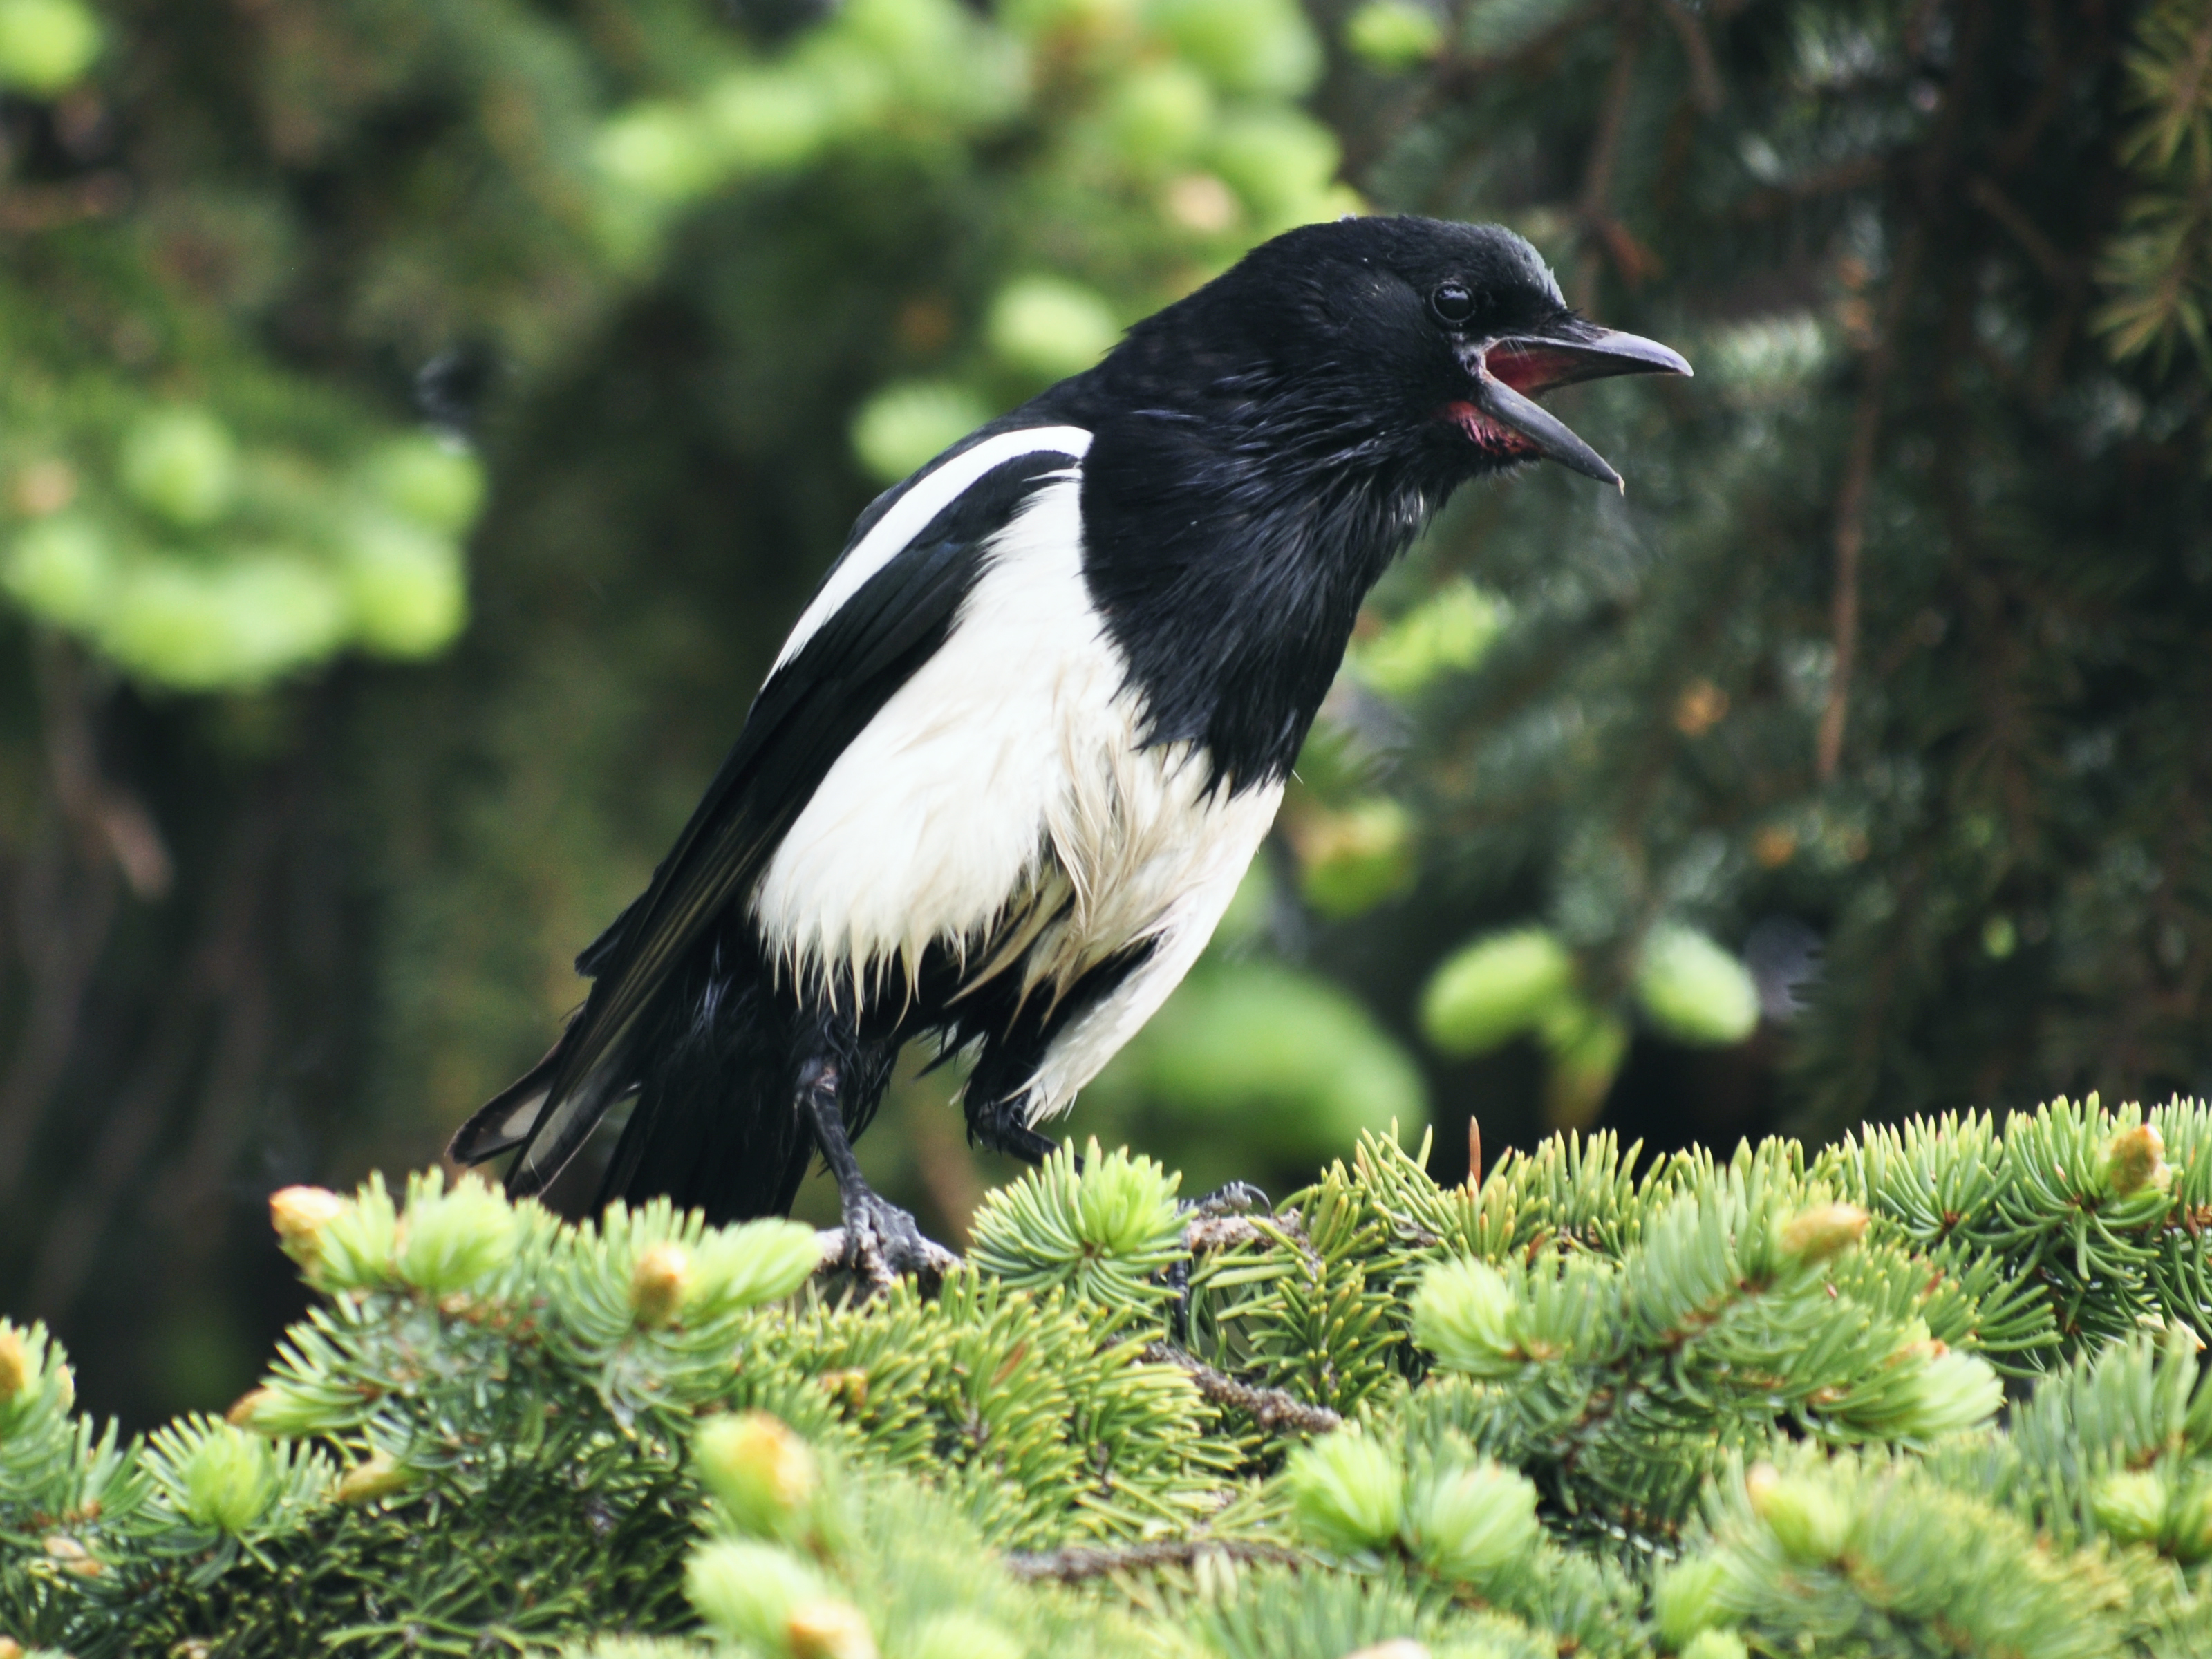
{"x":2135,"y":1158}
{"x":658,"y":1281}
{"x":241,"y":1414}
{"x":300,"y":1214}
{"x":1824,"y":1230}
{"x":829,"y":1630}
{"x":15,"y":1368}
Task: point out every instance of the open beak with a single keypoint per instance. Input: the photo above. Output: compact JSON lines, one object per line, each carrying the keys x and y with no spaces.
{"x":1508,"y":372}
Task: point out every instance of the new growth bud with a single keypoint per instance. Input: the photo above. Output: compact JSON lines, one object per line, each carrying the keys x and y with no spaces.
{"x":1348,"y":1491}
{"x":71,"y":1557}
{"x":241,"y":1414}
{"x":1805,"y":1519}
{"x":658,"y":1281}
{"x":1687,"y":1598}
{"x":1693,"y":990}
{"x":1822,"y":1232}
{"x":1585,"y":1045}
{"x":375,"y":1476}
{"x":1125,"y":1206}
{"x":1462,"y":1314}
{"x":452,"y":1241}
{"x":2134,"y":1159}
{"x":734,"y":1269}
{"x":2189,"y":1521}
{"x":228,"y":1478}
{"x":1716,"y":1645}
{"x":16,"y":1368}
{"x":300,"y":1214}
{"x":1468,"y":1524}
{"x":1951,"y":1391}
{"x":340,"y":1243}
{"x":750,"y":1591}
{"x":1494,"y":990}
{"x":2132,"y":1505}
{"x":963,"y":1636}
{"x":761,"y":1472}
{"x":829,"y":1630}
{"x":290,"y":1413}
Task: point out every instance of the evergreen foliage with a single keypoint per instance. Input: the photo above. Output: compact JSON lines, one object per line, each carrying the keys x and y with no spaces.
{"x":1700,"y":1408}
{"x":1882,"y":678}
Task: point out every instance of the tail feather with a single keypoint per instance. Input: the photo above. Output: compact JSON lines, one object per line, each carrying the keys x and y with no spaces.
{"x":518,"y":1115}
{"x":716,"y":1126}
{"x":506,"y":1120}
{"x":733,"y":1150}
{"x":563,"y":1126}
{"x":549,"y":1131}
{"x":713,"y":1062}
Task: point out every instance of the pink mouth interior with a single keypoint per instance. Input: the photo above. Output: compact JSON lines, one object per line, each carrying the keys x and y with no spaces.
{"x":1528,"y":370}
{"x":1486,"y":435}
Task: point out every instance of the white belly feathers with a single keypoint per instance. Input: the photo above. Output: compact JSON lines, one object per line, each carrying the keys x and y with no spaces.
{"x":1000,"y":804}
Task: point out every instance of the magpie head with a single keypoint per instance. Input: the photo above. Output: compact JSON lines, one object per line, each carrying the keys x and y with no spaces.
{"x":1399,"y":343}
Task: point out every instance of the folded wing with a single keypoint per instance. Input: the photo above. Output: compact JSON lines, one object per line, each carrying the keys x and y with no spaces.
{"x":886,"y":608}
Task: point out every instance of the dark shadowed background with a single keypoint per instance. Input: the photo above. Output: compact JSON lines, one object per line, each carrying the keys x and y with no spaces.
{"x":420,"y":420}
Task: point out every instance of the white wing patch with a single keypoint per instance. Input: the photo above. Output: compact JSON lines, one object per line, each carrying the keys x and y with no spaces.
{"x":910,"y":514}
{"x":999,"y":803}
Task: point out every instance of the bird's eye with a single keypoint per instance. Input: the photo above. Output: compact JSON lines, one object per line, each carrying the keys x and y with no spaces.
{"x":1452,"y":303}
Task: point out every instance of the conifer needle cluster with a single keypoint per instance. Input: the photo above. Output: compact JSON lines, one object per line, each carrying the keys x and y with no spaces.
{"x":1694,"y":1406}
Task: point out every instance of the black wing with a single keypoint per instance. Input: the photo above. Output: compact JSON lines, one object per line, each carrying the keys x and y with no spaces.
{"x":809,"y":710}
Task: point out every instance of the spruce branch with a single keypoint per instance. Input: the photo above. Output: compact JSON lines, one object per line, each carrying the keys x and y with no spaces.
{"x":1079,"y":1563}
{"x":1693,"y":1408}
{"x":2157,"y":269}
{"x":1104,"y":1229}
{"x":1272,"y":1409}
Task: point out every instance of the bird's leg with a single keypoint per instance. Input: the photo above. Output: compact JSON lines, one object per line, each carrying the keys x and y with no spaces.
{"x":882,"y":1241}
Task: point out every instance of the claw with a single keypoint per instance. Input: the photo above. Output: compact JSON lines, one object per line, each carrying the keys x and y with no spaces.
{"x":1213,"y":1221}
{"x":880,"y":1243}
{"x":1233,"y":1198}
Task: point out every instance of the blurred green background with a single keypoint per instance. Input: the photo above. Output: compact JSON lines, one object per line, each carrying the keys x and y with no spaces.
{"x":420,"y":419}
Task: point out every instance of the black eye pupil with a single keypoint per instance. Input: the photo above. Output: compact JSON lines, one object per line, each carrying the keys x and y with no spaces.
{"x":1453,"y":302}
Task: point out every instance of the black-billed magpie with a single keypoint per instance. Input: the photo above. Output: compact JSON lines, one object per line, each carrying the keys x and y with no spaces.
{"x":1021,"y":746}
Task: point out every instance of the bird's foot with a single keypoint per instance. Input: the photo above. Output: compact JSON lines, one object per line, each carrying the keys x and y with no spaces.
{"x":1235,"y":1197}
{"x":1212,"y":1222}
{"x":881,"y":1242}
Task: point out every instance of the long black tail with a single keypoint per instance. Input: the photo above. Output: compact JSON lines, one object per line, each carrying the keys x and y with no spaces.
{"x":714,"y":1062}
{"x":716,"y":1124}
